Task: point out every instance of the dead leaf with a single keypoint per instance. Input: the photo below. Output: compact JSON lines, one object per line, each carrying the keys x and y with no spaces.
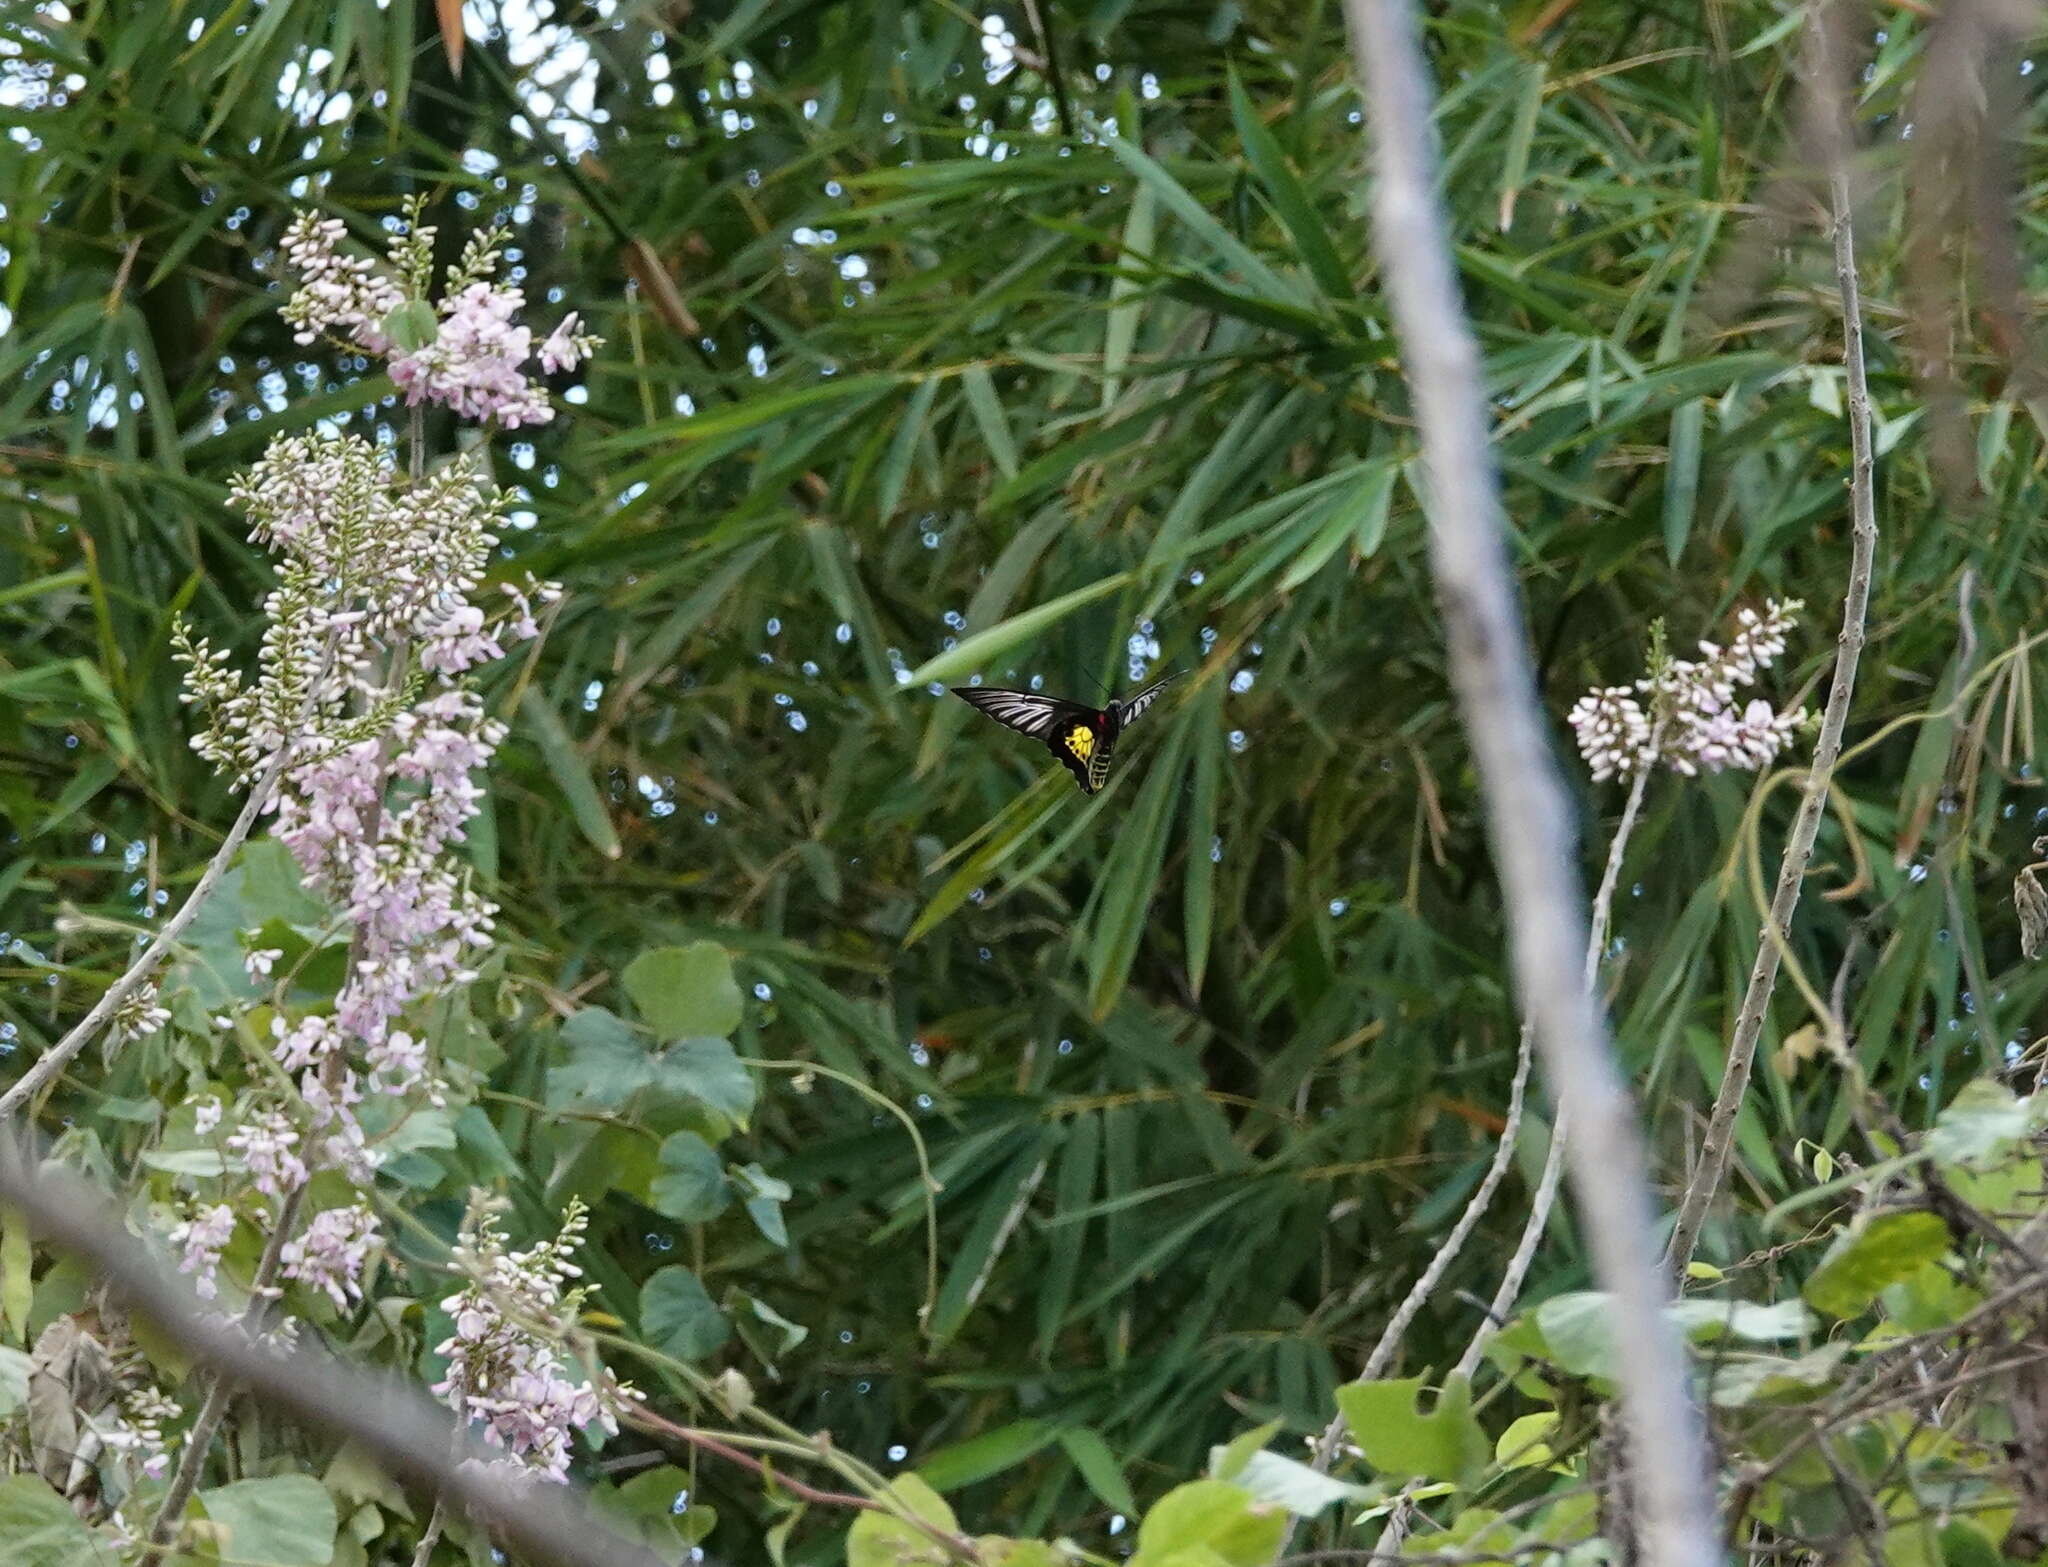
{"x":449,"y":13}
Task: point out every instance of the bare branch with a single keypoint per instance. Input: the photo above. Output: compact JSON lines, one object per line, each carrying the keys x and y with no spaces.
{"x":58,"y":1056}
{"x":544,"y":1525}
{"x":1718,"y":1144}
{"x":1517,"y":1271}
{"x":1526,"y":814}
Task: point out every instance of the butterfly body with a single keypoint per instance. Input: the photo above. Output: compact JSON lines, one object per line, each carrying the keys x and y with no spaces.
{"x":1082,"y":737}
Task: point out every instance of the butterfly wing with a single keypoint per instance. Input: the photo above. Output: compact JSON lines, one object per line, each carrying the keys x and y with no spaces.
{"x":1130,"y":710}
{"x":1040,"y":717}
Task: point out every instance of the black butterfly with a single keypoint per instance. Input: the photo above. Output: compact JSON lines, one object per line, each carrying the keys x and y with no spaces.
{"x":1081,"y":736}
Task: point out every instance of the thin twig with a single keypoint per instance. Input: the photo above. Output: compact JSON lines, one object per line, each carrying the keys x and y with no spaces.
{"x":58,"y":1056}
{"x":170,"y":1513}
{"x":1719,"y":1142}
{"x":1545,"y":1198}
{"x":1528,"y":823}
{"x":410,"y":1438}
{"x":958,"y":1546}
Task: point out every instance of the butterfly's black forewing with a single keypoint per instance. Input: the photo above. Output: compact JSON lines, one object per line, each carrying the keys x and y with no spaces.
{"x":1040,"y":717}
{"x":1130,"y":710}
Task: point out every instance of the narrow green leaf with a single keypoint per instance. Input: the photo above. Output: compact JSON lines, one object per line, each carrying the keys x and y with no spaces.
{"x":566,"y":766}
{"x":1099,"y":1468}
{"x":1289,"y":199}
{"x":1682,"y":475}
{"x":986,"y":647}
{"x":1198,"y":900}
{"x":1233,"y":252}
{"x":990,"y":1453}
{"x":895,"y":470}
{"x":1120,"y":330}
{"x":1514,"y":170}
{"x":987,"y":409}
{"x":1131,"y":878}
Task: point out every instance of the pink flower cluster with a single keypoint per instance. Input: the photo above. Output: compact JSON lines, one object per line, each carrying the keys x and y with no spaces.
{"x":377,"y":574}
{"x":204,"y":1235}
{"x":329,"y":1254}
{"x":474,"y":359}
{"x":338,"y":295}
{"x":139,"y":1430}
{"x":1692,"y":715}
{"x":506,"y":1370}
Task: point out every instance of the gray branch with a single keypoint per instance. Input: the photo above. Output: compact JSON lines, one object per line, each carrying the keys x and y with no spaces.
{"x":1538,"y":1220}
{"x":416,"y":1441}
{"x":58,"y":1056}
{"x":1527,"y":820}
{"x":1718,"y":1145}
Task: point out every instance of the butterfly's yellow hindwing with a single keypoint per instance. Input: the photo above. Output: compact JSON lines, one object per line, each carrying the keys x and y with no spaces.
{"x":1081,"y":741}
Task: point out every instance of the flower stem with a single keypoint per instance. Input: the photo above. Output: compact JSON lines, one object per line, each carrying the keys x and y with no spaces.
{"x":1718,"y":1145}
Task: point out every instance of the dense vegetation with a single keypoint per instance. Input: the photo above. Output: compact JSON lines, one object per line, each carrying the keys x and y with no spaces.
{"x":924,"y":318}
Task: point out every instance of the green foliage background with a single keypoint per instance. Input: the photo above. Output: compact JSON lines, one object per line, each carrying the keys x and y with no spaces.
{"x":1207,"y":1065}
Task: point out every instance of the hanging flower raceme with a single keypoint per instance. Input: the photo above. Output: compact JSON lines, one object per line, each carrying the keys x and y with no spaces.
{"x":361,"y":694}
{"x":468,"y":352}
{"x":506,"y":1369}
{"x":1688,"y":707}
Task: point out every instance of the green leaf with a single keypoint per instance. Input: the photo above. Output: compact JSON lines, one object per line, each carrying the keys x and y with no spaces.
{"x":685,"y":992}
{"x":39,"y":1529}
{"x":1120,"y":330}
{"x":709,"y":1071}
{"x":879,"y":1539}
{"x":678,"y":1315}
{"x":1402,"y":1442}
{"x":1131,"y":877}
{"x":1682,"y":475}
{"x":1289,"y":199}
{"x":1228,"y":1461}
{"x":1703,"y":1321}
{"x":1877,"y":1250}
{"x":1215,"y":1522}
{"x":692,"y":1187}
{"x":895,"y":470}
{"x":1099,"y":1468}
{"x":987,"y":409}
{"x":1289,"y":1483}
{"x":412,"y":326}
{"x":608,"y":1063}
{"x":1983,"y":1120}
{"x":17,"y":1267}
{"x":765,"y":1196}
{"x":990,"y":1453}
{"x":571,"y":774}
{"x":1526,"y":1442}
{"x":284,"y":1521}
{"x":987,"y":647}
{"x":1739,"y":1380}
{"x":1198,"y":896}
{"x":1232,"y":251}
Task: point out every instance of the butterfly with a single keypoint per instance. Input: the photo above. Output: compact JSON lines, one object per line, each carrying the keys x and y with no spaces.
{"x":1082,"y":737}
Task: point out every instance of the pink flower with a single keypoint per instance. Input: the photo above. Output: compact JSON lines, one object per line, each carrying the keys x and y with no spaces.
{"x":204,"y":1235}
{"x":474,"y":365}
{"x":562,"y":349}
{"x":330,"y":1253}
